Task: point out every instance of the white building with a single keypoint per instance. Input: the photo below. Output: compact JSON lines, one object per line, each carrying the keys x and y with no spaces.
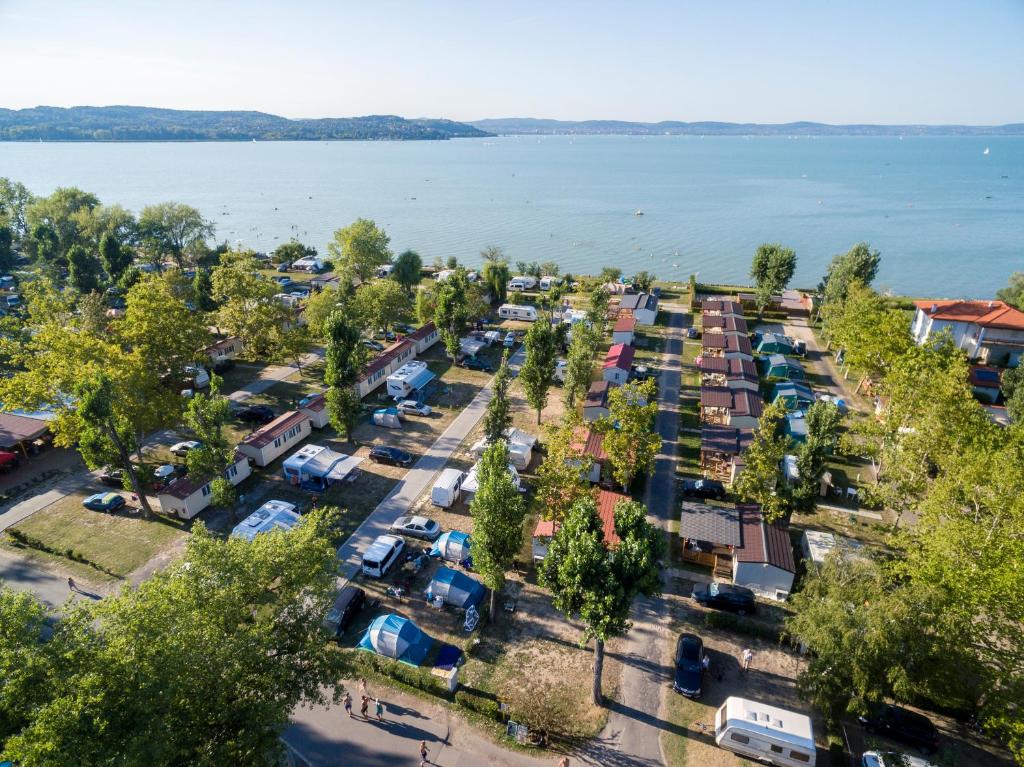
{"x":275,"y":438}
{"x":624,"y":330}
{"x":643,"y":307}
{"x":225,"y":349}
{"x":989,"y":331}
{"x":315,"y":406}
{"x":185,"y":498}
{"x":764,"y":561}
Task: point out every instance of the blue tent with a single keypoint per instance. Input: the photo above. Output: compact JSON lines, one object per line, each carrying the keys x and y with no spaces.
{"x":455,"y":588}
{"x":453,"y":546}
{"x":796,"y":395}
{"x":396,"y":637}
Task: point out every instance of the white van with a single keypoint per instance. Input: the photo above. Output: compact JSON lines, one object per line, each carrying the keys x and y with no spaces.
{"x":765,"y":733}
{"x":381,"y":555}
{"x":200,"y":378}
{"x":517,"y":312}
{"x":448,"y":488}
{"x":522,"y":282}
{"x":891,"y":759}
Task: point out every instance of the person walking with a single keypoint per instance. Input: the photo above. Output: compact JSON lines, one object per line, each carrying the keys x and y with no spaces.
{"x":347,"y":700}
{"x":563,"y":762}
{"x":362,"y":686}
{"x":72,"y":585}
{"x":748,"y":656}
{"x":424,"y":752}
{"x":364,"y":706}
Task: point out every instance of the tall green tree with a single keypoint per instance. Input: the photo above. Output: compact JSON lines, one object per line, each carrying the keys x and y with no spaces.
{"x":58,"y":216}
{"x":579,"y":363}
{"x":83,"y":270}
{"x":114,"y":256}
{"x":563,"y":476}
{"x":6,"y":247}
{"x":1013,"y":293}
{"x":345,"y":358}
{"x":823,"y":419}
{"x":248,"y":305}
{"x":629,"y":436}
{"x":597,"y":311}
{"x":761,"y":478}
{"x":859,"y":264}
{"x":381,"y":304}
{"x":15,"y":198}
{"x":407,"y":271}
{"x":451,"y":310}
{"x":202,"y":291}
{"x":498,"y":512}
{"x":498,"y":416}
{"x":495,"y":273}
{"x":358,"y":249}
{"x":643,"y":281}
{"x":772,"y":268}
{"x":598,"y":586}
{"x":291,"y":251}
{"x":174,"y":230}
{"x":538,"y":371}
{"x":206,"y":415}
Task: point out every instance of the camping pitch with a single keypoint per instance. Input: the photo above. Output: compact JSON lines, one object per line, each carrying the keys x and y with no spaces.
{"x":396,"y":637}
{"x":455,"y":589}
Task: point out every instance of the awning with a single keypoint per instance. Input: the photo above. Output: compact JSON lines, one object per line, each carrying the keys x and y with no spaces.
{"x":421,"y":379}
{"x":344,"y":467}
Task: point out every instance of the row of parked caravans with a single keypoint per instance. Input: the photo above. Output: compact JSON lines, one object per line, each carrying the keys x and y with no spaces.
{"x":526,"y":282}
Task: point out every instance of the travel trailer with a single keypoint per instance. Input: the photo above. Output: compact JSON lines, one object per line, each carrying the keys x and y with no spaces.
{"x":522,"y":282}
{"x":409,"y":379}
{"x":514,"y":312}
{"x":447,"y":489}
{"x":765,"y":733}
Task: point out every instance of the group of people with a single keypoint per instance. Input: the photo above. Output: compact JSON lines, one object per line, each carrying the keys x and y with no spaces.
{"x":364,"y":705}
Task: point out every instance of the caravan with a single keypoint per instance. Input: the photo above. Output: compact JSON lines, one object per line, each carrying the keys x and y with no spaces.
{"x":547,"y":282}
{"x":409,"y":380}
{"x":765,"y":733}
{"x":522,"y":282}
{"x":515,"y":312}
{"x":447,"y":489}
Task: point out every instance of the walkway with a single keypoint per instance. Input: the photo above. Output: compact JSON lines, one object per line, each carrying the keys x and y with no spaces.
{"x":273,"y":374}
{"x":418,"y":478}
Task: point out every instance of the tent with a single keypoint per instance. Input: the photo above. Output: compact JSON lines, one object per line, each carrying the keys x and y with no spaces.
{"x":387,"y":417}
{"x":795,"y":395}
{"x":455,"y":588}
{"x":453,"y":546}
{"x":396,"y":637}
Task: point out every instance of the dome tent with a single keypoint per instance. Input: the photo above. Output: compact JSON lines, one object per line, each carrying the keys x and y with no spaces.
{"x":453,"y":546}
{"x":396,"y":637}
{"x":455,"y":588}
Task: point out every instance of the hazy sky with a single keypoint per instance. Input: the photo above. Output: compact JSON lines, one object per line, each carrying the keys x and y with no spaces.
{"x":853,"y":61}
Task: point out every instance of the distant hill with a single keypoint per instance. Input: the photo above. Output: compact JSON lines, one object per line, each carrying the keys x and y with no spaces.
{"x":126,"y":123}
{"x":533,"y":126}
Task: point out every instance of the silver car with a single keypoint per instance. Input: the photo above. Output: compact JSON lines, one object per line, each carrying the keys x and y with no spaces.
{"x":416,"y":527}
{"x":412,"y":407}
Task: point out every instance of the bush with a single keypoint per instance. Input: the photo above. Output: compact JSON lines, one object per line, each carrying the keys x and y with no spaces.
{"x":417,"y":678}
{"x":474,"y":700}
{"x":741,"y":625}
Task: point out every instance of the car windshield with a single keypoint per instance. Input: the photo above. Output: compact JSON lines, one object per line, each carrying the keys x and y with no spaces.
{"x":713,"y":590}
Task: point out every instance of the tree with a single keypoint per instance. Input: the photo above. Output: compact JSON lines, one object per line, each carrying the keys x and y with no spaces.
{"x":83,"y":270}
{"x":380,"y":304}
{"x":15,"y":198}
{"x":823,"y":420}
{"x":1013,"y":293}
{"x":24,"y":657}
{"x":181,"y":669}
{"x":291,"y":251}
{"x":58,"y":216}
{"x":113,"y":220}
{"x":202,"y":291}
{"x":249,"y":308}
{"x":772,"y":268}
{"x":610,"y":274}
{"x":563,"y":476}
{"x":407,"y":271}
{"x":498,"y":417}
{"x":359,"y":249}
{"x":579,"y":365}
{"x":597,"y":312}
{"x":549,"y":269}
{"x":206,"y":415}
{"x":538,"y":371}
{"x":345,"y":358}
{"x":426,"y":303}
{"x":451,"y":310}
{"x":174,"y":230}
{"x":858,"y":264}
{"x":629,"y":437}
{"x":114,"y":256}
{"x":643,"y":281}
{"x":6,"y":247}
{"x":597,"y":585}
{"x":498,"y":512}
{"x":759,"y":481}
{"x":495,"y":274}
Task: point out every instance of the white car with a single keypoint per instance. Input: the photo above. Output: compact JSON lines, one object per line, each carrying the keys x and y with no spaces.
{"x":416,"y":527}
{"x":181,"y":448}
{"x":165,"y":472}
{"x":412,"y":407}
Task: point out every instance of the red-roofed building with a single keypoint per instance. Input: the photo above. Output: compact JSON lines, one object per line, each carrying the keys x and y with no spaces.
{"x":315,"y":406}
{"x":624,"y":330}
{"x":542,"y":535}
{"x":595,"y":405}
{"x":272,"y":440}
{"x":989,"y":331}
{"x":185,"y":497}
{"x":764,"y":560}
{"x":425,"y":337}
{"x":384,"y":364}
{"x":618,"y":362}
{"x":591,"y":443}
{"x":607,"y":500}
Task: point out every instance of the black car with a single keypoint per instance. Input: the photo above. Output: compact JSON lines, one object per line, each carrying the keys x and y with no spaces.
{"x":350,"y":600}
{"x":689,"y":665}
{"x":703,"y":488}
{"x":472,"y":363}
{"x":260,"y":414}
{"x":392,"y":455}
{"x":723,"y":596}
{"x":112,"y":477}
{"x":902,"y":725}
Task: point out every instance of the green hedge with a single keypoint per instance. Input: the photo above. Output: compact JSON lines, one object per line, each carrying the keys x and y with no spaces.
{"x":476,"y":701}
{"x":418,"y":678}
{"x":742,"y":625}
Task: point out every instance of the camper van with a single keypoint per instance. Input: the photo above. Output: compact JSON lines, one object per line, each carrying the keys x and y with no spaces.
{"x":765,"y":733}
{"x":546,"y":282}
{"x":522,"y":282}
{"x":382,"y":554}
{"x":448,"y":488}
{"x":409,"y":379}
{"x":514,"y":312}
{"x":560,"y":367}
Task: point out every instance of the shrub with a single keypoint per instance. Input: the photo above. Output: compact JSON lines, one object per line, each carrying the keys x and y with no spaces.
{"x":745,"y":626}
{"x":474,"y":700}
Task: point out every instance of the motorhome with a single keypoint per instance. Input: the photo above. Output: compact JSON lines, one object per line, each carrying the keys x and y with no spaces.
{"x":522,"y":282}
{"x":560,"y":368}
{"x":448,"y":488}
{"x":517,"y":312}
{"x":409,"y":379}
{"x":765,"y":733}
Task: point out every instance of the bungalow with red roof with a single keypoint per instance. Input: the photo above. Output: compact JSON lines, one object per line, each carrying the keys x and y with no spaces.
{"x":591,"y":443}
{"x":425,"y":337}
{"x":721,"y":448}
{"x":595,"y":405}
{"x":722,"y":406}
{"x":624,"y":330}
{"x":315,"y":406}
{"x":607,"y":500}
{"x":617,"y":363}
{"x":721,"y":307}
{"x":224,"y":349}
{"x":763,"y":562}
{"x":272,"y":440}
{"x":735,"y":373}
{"x":384,"y":364}
{"x":991,"y":332}
{"x":185,"y":497}
{"x":729,"y":324}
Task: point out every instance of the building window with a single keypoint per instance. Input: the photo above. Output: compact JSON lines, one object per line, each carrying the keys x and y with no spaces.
{"x":776,"y":749}
{"x":232,"y":471}
{"x":206,"y":490}
{"x":799,"y":756}
{"x":277,"y":442}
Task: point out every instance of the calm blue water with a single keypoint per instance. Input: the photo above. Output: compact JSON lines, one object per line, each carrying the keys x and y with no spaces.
{"x":948,"y":219}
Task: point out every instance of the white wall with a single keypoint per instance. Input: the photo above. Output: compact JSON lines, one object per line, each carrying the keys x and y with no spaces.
{"x":763,"y":579}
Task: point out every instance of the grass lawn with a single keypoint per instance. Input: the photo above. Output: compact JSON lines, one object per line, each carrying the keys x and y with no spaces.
{"x":117,"y":544}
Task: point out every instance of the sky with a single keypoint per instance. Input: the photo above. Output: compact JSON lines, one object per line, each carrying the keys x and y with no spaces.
{"x":859,"y":61}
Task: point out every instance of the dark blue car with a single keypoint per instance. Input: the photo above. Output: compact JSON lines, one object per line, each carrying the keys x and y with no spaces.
{"x":689,"y":666}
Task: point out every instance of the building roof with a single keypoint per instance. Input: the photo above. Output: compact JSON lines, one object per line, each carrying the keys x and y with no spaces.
{"x":727,"y":322}
{"x":716,"y":438}
{"x":383,"y":359}
{"x":546,"y":528}
{"x":987,"y":314}
{"x":722,"y":306}
{"x":638,"y":301}
{"x":183,"y":487}
{"x":624,"y":324}
{"x":597,"y":394}
{"x":739,"y":368}
{"x":314,"y":402}
{"x":15,"y":429}
{"x":714,"y":524}
{"x":737,"y":344}
{"x":267,"y":434}
{"x":746,"y":403}
{"x":422,"y":332}
{"x":620,"y":356}
{"x":223,"y":344}
{"x":606,"y":502}
{"x":715,"y":396}
{"x":713,"y":341}
{"x":763,"y":543}
{"x":714,"y":365}
{"x":591,"y":442}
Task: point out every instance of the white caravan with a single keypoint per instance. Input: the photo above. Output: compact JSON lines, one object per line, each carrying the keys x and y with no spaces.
{"x":517,"y":312}
{"x":447,"y":489}
{"x":522,"y":282}
{"x":765,"y":733}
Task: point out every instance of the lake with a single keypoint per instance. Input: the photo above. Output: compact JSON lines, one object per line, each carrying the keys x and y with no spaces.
{"x":948,"y":218}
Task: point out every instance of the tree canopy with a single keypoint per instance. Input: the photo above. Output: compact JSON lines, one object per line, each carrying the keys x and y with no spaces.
{"x":759,"y":482}
{"x":408,"y":268}
{"x":629,"y":436}
{"x":538,"y":371}
{"x":359,"y":249}
{"x":772,"y":268}
{"x":1013,"y":293}
{"x":174,"y":230}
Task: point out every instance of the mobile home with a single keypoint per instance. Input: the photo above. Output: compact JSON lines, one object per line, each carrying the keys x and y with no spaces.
{"x":765,"y":733}
{"x":185,"y":497}
{"x":271,"y":441}
{"x":515,"y":312}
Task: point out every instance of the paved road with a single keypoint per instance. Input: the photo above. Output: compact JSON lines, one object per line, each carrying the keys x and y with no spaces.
{"x":418,"y":478}
{"x":273,"y":374}
{"x":632,"y":735}
{"x":21,"y":574}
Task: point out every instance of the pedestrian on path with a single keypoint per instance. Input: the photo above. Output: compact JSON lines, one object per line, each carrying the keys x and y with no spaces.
{"x":72,"y":585}
{"x":362,"y":686}
{"x":380,"y":710}
{"x":424,"y":752}
{"x":348,"y":704}
{"x":563,"y":762}
{"x":364,"y":706}
{"x":748,"y":656}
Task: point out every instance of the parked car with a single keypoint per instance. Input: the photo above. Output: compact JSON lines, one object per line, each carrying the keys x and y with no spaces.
{"x":703,"y":488}
{"x":112,"y":477}
{"x":692,"y":333}
{"x":891,"y":759}
{"x":8,"y":460}
{"x":347,"y":604}
{"x":404,"y":329}
{"x":412,"y":407}
{"x":723,"y":596}
{"x":223,"y":365}
{"x":689,"y":666}
{"x":256,"y":414}
{"x":391,"y":455}
{"x":283,"y":280}
{"x":167,"y":472}
{"x":382,"y":335}
{"x":472,"y":363}
{"x":640,"y":373}
{"x":284,"y":266}
{"x":416,"y":527}
{"x":180,"y":449}
{"x":510,"y":340}
{"x":381,"y":555}
{"x":300,"y":292}
{"x":369,"y":343}
{"x":104,"y":502}
{"x":902,"y":725}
